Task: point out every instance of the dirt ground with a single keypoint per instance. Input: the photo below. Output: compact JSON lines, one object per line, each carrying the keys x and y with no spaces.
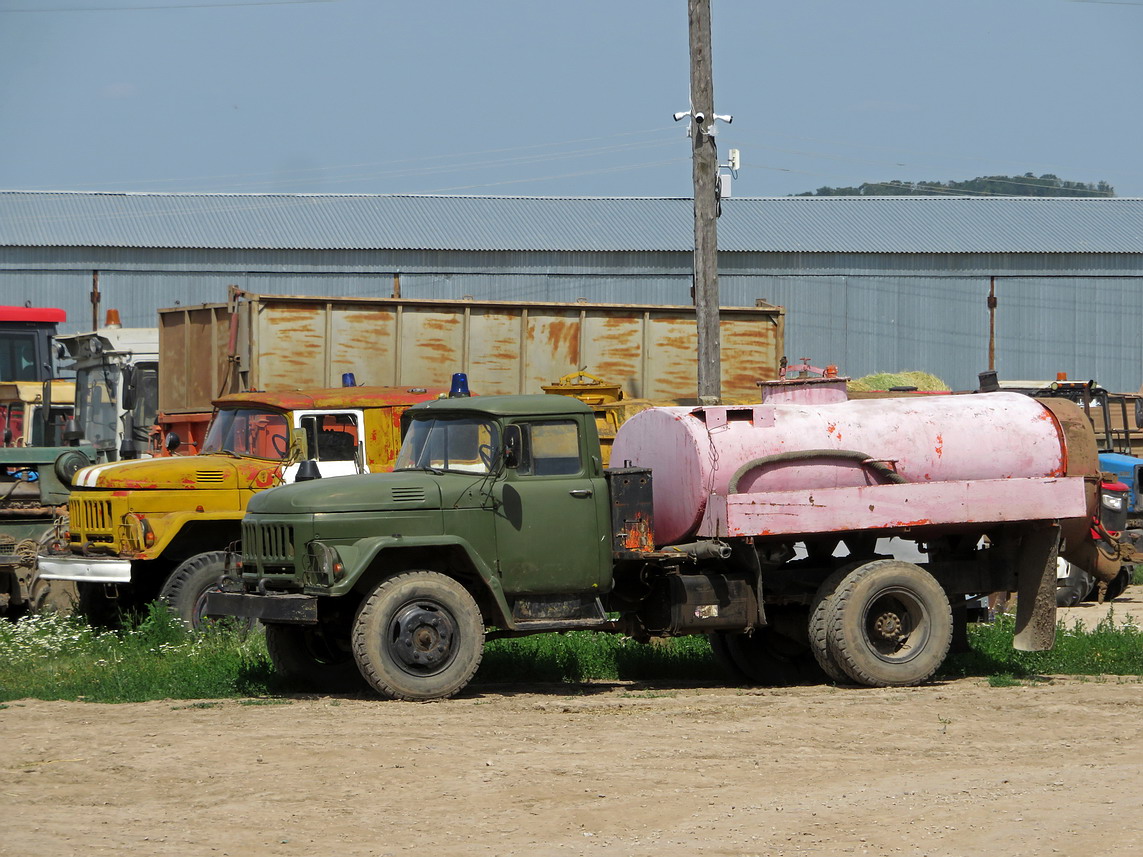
{"x":953,"y":768}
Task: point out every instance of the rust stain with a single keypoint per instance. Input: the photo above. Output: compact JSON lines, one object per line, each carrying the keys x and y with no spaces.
{"x":940,"y":448}
{"x":563,"y":336}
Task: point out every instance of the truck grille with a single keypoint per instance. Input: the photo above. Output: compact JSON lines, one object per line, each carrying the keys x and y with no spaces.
{"x":90,"y":516}
{"x":268,"y":544}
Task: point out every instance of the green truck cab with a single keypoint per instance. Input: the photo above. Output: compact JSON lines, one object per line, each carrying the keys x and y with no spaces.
{"x":496,"y":516}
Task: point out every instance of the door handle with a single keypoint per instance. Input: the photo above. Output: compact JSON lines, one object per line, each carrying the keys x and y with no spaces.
{"x":580,"y":492}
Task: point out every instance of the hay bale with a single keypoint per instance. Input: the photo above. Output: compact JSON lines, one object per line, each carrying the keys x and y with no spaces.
{"x":906,"y":378}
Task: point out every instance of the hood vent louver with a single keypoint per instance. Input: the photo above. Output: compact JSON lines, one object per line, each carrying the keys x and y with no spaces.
{"x":408,"y":495}
{"x":210,"y":476}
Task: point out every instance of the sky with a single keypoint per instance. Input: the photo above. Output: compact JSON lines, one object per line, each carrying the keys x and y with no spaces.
{"x":535,"y":98}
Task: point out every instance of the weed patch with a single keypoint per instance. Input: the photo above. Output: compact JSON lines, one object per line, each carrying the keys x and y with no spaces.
{"x":51,"y":657}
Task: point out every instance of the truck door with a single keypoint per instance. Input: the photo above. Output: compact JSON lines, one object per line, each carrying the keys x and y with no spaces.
{"x":552,"y":513}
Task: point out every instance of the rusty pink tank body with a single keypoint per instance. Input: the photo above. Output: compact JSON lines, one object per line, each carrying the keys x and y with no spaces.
{"x":696,"y":452}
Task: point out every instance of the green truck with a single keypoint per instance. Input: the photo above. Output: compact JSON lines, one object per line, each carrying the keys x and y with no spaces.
{"x":500,"y":520}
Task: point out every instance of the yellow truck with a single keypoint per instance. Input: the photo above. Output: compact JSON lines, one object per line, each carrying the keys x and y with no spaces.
{"x":159,"y":527}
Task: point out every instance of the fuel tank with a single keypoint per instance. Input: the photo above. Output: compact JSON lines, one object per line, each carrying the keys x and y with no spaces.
{"x":695,"y":453}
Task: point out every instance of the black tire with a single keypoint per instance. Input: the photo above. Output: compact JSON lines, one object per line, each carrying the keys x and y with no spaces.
{"x":1121,"y":582}
{"x":308,"y":656}
{"x":891,"y":624}
{"x":821,"y":614}
{"x":720,"y":649}
{"x":770,"y":659}
{"x":418,"y":636}
{"x":184,"y":592}
{"x":1075,"y":588}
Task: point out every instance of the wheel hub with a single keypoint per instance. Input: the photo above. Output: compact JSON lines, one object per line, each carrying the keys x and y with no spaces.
{"x":888,"y":626}
{"x":423,"y":638}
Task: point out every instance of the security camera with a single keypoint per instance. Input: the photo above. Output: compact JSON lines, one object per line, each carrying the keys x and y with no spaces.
{"x":682,"y":114}
{"x":700,"y":117}
{"x":727,"y":119}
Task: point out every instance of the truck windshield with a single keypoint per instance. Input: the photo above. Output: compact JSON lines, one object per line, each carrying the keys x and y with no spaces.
{"x":465,"y":444}
{"x":249,"y":432}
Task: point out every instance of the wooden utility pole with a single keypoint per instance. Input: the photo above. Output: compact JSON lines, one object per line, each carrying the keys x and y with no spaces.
{"x":992,"y":324}
{"x":705,"y":170}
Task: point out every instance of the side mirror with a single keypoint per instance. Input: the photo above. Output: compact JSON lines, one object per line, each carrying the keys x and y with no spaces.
{"x":512,"y":446}
{"x":130,"y":391}
{"x":1139,"y":413}
{"x":299,"y":445}
{"x":172,"y":441}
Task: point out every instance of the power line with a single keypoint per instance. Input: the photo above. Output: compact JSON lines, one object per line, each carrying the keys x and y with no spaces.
{"x":167,"y":6}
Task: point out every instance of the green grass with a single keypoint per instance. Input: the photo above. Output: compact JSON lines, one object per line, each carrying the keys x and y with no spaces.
{"x":47,"y":657}
{"x":586,"y":656}
{"x":1106,"y":649}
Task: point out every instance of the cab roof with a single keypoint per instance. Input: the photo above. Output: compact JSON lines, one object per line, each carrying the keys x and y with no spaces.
{"x":535,"y":404}
{"x":332,"y":397}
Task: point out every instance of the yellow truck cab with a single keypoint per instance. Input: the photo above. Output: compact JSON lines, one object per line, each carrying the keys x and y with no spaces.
{"x":160,"y":527}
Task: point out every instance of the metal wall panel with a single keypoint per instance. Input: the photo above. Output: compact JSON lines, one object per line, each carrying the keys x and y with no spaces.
{"x":1088,"y":328}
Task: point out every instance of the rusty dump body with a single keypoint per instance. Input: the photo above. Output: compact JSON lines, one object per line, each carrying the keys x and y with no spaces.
{"x":277,"y":342}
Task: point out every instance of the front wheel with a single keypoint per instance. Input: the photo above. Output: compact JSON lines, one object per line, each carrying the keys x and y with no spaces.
{"x":418,"y":636}
{"x":185,"y":590}
{"x":891,"y":624}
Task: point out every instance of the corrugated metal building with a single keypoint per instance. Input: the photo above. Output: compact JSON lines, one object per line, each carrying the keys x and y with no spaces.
{"x":871,"y":284}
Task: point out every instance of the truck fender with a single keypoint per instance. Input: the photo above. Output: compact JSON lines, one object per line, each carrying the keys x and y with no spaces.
{"x":174,"y":523}
{"x":359,"y":557}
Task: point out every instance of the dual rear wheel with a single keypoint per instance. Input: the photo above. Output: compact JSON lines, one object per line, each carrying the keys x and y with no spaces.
{"x":884,"y":623}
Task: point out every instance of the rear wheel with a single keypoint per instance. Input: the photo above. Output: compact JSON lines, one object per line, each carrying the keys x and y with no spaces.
{"x":766,"y":658}
{"x":891,"y":624}
{"x":720,"y":648}
{"x":418,"y":636}
{"x":313,"y":657}
{"x":821,"y":614}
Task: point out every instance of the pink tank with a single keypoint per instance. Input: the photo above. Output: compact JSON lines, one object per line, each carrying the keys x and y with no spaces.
{"x":697,"y":452}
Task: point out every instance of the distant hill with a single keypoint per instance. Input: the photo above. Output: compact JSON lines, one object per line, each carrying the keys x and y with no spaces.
{"x":1025,"y":185}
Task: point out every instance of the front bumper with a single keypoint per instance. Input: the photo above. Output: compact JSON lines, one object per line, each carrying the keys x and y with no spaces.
{"x":84,"y":569}
{"x":288,"y":609}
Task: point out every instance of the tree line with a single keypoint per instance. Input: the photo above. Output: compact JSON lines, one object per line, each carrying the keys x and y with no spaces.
{"x":1025,"y":185}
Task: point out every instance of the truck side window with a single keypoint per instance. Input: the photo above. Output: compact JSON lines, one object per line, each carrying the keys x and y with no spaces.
{"x":551,"y":448}
{"x":331,"y":437}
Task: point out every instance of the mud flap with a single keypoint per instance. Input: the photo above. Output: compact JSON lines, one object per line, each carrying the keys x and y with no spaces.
{"x":1036,"y":590}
